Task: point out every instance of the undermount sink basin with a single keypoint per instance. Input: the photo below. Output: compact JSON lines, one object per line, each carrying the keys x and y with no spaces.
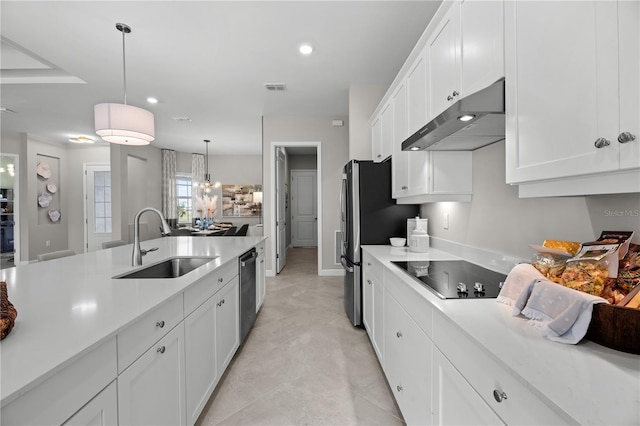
{"x":170,"y":268}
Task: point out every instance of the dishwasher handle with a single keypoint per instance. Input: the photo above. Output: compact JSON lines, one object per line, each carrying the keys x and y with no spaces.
{"x":248,"y":258}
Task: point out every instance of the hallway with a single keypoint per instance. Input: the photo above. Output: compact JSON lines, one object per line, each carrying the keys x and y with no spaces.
{"x":303,"y":363}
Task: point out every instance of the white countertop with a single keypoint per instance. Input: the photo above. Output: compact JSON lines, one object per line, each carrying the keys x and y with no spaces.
{"x":70,"y":305}
{"x":587,"y":382}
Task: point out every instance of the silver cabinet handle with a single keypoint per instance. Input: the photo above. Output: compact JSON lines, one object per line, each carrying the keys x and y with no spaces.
{"x":601,"y":143}
{"x":160,"y":324}
{"x":455,"y":93}
{"x":399,"y":334}
{"x":449,"y":97}
{"x":369,"y":282}
{"x":368,"y":263}
{"x":625,"y":137}
{"x":160,"y":349}
{"x":399,"y":387}
{"x":220,"y":279}
{"x":499,"y":395}
{"x":379,"y":155}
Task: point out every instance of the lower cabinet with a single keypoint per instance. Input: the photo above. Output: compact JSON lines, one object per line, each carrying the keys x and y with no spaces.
{"x":407,"y":363}
{"x":455,"y":402}
{"x":152,"y":389}
{"x":227,"y":323}
{"x":102,"y":410}
{"x":261,"y":279}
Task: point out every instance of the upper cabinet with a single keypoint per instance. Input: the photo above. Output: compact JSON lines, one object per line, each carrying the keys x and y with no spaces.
{"x":572,"y":97}
{"x":382,"y":134}
{"x":464,"y":53}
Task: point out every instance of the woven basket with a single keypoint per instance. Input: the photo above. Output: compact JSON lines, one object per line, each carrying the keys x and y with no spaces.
{"x":8,"y":312}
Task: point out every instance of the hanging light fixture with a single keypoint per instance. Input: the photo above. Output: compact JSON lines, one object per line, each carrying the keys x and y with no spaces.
{"x":207,"y":184}
{"x":122,"y":123}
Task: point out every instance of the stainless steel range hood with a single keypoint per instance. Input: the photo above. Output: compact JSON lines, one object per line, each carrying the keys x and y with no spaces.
{"x":484,"y":125}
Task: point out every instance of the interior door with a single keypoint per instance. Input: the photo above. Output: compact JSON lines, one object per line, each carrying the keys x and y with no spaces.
{"x":281,"y":206}
{"x":304,"y":208}
{"x":98,"y":206}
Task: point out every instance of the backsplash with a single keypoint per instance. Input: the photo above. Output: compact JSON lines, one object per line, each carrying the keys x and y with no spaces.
{"x":498,"y":220}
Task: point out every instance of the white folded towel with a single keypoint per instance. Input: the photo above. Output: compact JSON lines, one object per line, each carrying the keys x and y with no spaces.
{"x":517,"y":287}
{"x":564,"y":313}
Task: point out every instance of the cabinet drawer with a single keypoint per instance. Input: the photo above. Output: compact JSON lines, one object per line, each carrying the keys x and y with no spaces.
{"x":372,"y":265}
{"x":199,"y":292}
{"x":486,"y":375}
{"x":138,"y":337}
{"x":60,"y":396}
{"x":260,"y":248}
{"x":419,"y":308}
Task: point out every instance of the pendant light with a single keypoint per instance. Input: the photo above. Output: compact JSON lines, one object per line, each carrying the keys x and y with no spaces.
{"x":207,"y":184}
{"x":122,"y":123}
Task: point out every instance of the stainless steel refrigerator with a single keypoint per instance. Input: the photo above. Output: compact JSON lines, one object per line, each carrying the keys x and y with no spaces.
{"x":369,"y":216}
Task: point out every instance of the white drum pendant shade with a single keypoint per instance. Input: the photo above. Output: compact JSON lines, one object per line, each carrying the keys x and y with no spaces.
{"x":124,"y":124}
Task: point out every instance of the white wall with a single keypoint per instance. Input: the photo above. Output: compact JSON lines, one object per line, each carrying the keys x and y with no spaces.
{"x":363,"y":100}
{"x":335,"y":153}
{"x":498,"y":220}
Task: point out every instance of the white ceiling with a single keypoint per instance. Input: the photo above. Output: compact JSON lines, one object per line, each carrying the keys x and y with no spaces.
{"x":206,"y":60}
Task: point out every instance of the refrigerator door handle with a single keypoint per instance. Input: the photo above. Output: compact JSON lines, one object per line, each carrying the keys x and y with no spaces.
{"x":345,"y":264}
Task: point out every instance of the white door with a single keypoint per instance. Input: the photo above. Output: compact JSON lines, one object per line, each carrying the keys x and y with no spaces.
{"x":97,"y":206}
{"x":281,"y":216}
{"x":304,"y":208}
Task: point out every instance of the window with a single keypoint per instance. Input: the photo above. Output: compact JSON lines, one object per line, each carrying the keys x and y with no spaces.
{"x":183,"y":191}
{"x":102,"y":201}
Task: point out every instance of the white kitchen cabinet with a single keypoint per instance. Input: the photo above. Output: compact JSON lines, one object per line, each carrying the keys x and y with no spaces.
{"x":200,"y":354}
{"x":261,"y":277}
{"x":152,"y":389}
{"x":227,"y":323}
{"x":455,"y":402}
{"x":407,"y":363}
{"x":382,"y":134}
{"x":376,"y":139}
{"x":570,"y":94}
{"x":372,"y":303}
{"x":102,"y":410}
{"x":465,"y":52}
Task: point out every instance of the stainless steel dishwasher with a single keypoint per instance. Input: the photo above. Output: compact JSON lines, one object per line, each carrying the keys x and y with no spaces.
{"x":247,"y":292}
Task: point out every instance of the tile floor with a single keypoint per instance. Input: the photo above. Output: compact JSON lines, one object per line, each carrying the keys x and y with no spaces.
{"x":303,"y":363}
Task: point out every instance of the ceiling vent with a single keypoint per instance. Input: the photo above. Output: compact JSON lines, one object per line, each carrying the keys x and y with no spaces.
{"x":183,"y":119}
{"x":276,"y":87}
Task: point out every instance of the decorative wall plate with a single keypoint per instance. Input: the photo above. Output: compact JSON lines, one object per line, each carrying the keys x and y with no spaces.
{"x":54,"y":215}
{"x":52,"y":188}
{"x":44,"y":170}
{"x":44,"y":199}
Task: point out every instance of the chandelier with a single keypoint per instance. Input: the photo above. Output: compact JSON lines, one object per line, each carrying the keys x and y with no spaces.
{"x":207,"y":184}
{"x":122,"y":123}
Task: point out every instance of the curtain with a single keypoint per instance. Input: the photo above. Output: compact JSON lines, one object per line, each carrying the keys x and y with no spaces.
{"x":169,"y":196}
{"x":197,"y":177}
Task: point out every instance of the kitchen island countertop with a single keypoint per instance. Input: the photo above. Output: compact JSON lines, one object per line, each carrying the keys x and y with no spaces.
{"x":586,"y":383}
{"x":68,"y":306}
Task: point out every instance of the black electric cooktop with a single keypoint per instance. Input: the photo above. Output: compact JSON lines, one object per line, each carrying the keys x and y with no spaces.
{"x":455,"y":279}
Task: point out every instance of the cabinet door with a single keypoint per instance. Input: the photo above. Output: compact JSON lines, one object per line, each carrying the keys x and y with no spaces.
{"x":399,"y":158}
{"x":407,"y":363}
{"x":443,"y":61}
{"x":387,"y":132}
{"x":455,"y":402}
{"x":561,"y":89}
{"x":367,"y":302}
{"x":152,"y":389}
{"x":482,"y":38}
{"x":376,"y":139}
{"x":200,"y":355}
{"x":102,"y":410}
{"x":227,"y":324}
{"x":629,"y":19}
{"x":378,"y":320}
{"x":261,"y":280}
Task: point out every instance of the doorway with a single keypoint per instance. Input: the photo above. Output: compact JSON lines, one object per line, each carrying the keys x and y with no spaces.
{"x":281,"y":191}
{"x":9,"y":214}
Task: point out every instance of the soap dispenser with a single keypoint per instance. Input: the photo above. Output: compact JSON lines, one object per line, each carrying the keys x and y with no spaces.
{"x":419,"y":240}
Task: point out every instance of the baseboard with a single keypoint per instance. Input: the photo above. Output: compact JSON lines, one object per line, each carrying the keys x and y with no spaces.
{"x":332,"y":272}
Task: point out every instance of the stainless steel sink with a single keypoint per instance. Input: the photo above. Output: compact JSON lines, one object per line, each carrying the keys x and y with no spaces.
{"x":170,"y":268}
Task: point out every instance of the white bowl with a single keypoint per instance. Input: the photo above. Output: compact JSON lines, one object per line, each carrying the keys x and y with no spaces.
{"x":397,"y":242}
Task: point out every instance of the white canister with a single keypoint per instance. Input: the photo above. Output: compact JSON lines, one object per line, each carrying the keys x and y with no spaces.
{"x":419,"y":241}
{"x":413,"y":223}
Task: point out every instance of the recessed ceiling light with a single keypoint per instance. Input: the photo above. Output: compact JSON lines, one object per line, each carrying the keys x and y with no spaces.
{"x":152,"y":100}
{"x":306,"y":49}
{"x":81,"y":139}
